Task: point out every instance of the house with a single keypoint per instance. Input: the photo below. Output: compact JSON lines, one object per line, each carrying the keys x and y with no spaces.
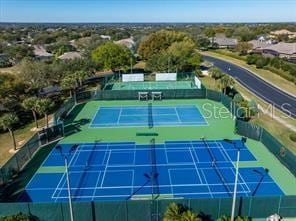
{"x":224,"y":42}
{"x":258,"y":46}
{"x":128,"y":42}
{"x":70,"y":55}
{"x":282,"y":50}
{"x":277,"y":33}
{"x":40,"y":53}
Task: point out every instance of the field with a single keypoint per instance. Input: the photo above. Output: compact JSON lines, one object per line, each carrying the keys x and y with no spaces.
{"x":145,"y":160}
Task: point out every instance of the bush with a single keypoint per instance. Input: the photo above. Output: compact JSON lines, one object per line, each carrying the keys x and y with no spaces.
{"x":18,"y":217}
{"x":238,"y":98}
{"x":261,"y":62}
{"x":293,"y":137}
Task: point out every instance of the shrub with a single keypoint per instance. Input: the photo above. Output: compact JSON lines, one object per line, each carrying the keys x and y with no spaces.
{"x":238,"y":98}
{"x":261,"y":62}
{"x":18,"y":217}
{"x":293,"y":137}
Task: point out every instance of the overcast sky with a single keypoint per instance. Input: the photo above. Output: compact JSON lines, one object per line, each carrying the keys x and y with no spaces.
{"x":147,"y":10}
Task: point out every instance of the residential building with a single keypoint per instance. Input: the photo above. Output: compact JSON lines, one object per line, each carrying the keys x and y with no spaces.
{"x":224,"y":42}
{"x":40,"y":53}
{"x":70,"y":55}
{"x":282,"y":50}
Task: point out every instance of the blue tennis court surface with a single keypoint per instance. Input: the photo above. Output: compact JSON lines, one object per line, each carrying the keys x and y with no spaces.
{"x":124,"y":171}
{"x":132,"y":116}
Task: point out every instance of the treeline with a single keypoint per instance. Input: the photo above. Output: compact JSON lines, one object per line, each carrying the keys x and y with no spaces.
{"x":169,"y":51}
{"x":277,"y":65}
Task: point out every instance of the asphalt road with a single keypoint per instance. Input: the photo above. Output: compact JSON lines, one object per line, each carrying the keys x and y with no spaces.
{"x":278,"y":98}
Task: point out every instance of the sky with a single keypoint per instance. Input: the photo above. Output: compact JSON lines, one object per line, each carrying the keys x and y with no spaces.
{"x":101,"y":11}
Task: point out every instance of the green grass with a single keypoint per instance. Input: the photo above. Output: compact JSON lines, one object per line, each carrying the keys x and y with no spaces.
{"x":219,"y":128}
{"x":278,"y":130}
{"x":22,"y":135}
{"x":265,"y":74}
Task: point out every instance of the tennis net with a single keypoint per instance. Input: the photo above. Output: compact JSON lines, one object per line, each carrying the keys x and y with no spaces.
{"x":154,"y":173}
{"x":150,"y":116}
{"x":216,"y":168}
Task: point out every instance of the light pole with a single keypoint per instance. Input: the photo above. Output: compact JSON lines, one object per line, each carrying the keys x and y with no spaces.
{"x":67,"y":176}
{"x":244,"y":139}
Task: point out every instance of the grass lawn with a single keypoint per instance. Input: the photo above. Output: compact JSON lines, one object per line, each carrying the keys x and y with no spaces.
{"x":267,"y":75}
{"x":22,"y":135}
{"x":281,"y":132}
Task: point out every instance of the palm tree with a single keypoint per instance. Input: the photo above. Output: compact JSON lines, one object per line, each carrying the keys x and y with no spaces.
{"x":216,"y":73}
{"x":226,"y":81}
{"x":43,"y":107}
{"x":81,"y":76}
{"x":6,"y":122}
{"x":173,"y":213}
{"x":31,"y":104}
{"x":69,"y":83}
{"x":189,"y":216}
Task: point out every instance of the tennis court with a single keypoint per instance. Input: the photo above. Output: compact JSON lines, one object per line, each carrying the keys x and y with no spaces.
{"x":148,"y":115}
{"x":151,"y":85}
{"x":126,"y":171}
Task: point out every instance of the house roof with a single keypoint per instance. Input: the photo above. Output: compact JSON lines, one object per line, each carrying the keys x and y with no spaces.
{"x":70,"y":55}
{"x":40,"y":51}
{"x":128,"y":42}
{"x":282,"y":32}
{"x":259,"y":44}
{"x":283,"y":48}
{"x":225,"y":41}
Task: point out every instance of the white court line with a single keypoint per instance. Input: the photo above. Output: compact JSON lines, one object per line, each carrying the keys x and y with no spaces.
{"x":193,"y":148}
{"x":65,"y":172}
{"x":97,"y":182}
{"x":226,"y":154}
{"x":177,"y":115}
{"x":194,"y":163}
{"x":207,"y":183}
{"x":148,"y":186}
{"x":107,"y":163}
{"x":170,"y":179}
{"x":119,"y":116}
{"x":166,"y":154}
{"x":243,"y":183}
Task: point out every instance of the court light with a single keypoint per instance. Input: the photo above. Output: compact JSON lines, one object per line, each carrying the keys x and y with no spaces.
{"x":244,"y":140}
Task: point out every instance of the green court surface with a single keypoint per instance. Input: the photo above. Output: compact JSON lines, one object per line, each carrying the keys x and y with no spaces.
{"x":220,"y":126}
{"x":151,"y":85}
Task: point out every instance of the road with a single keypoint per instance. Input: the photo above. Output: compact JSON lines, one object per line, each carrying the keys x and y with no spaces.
{"x":271,"y":94}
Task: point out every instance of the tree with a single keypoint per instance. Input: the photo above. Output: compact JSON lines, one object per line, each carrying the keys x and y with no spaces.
{"x":173,"y":213}
{"x":111,"y":56}
{"x":35,"y":74}
{"x":225,"y":82}
{"x":160,"y":41}
{"x":216,"y":73}
{"x":31,"y":104}
{"x":210,"y":33}
{"x":177,"y":212}
{"x":69,"y":83}
{"x":238,"y":98}
{"x":44,"y":105}
{"x":203,"y":43}
{"x":261,"y":62}
{"x":7,"y":121}
{"x":81,"y":76}
{"x":243,"y":48}
{"x":189,"y":216}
